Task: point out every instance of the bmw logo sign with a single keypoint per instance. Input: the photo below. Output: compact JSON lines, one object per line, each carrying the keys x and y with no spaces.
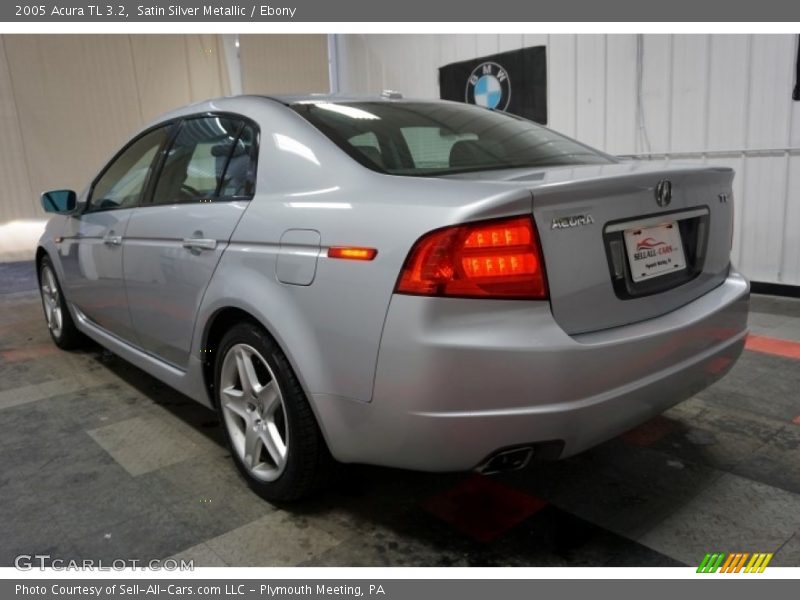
{"x":489,"y":86}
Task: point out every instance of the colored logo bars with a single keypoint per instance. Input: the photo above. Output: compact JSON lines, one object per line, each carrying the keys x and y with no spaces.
{"x":735,"y":562}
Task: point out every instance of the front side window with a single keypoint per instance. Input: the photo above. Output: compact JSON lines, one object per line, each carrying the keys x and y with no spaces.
{"x":122,"y":183}
{"x":210,"y":157}
{"x":439,"y":138}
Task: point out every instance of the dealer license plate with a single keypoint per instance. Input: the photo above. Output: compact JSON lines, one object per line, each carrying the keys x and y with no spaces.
{"x":654,"y":251}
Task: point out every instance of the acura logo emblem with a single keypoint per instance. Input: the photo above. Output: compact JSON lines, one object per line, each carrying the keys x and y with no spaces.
{"x":664,"y":192}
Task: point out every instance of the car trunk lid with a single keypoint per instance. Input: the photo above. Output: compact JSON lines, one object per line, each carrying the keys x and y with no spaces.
{"x":627,"y":242}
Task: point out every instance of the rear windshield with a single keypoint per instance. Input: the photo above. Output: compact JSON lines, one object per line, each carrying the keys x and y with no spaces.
{"x":438,"y":138}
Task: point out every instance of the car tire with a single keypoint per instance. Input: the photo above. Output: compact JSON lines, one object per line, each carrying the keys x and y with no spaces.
{"x":269,"y":426}
{"x":59,"y":320}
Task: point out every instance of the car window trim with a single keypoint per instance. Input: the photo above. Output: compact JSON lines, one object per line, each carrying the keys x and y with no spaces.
{"x":244,"y":123}
{"x":145,"y":197}
{"x":239,"y":131}
{"x":147,"y":200}
{"x":90,"y":196}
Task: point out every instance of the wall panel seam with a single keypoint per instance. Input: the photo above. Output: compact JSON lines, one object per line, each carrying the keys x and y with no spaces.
{"x":136,"y":80}
{"x":787,"y":174}
{"x":19,"y":126}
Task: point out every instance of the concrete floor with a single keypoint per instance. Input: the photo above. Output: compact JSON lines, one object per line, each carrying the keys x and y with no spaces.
{"x":100,"y":460}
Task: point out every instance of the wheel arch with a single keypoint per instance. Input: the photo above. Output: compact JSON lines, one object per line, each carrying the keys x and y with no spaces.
{"x":216,"y":326}
{"x":220,"y":321}
{"x":41,"y":252}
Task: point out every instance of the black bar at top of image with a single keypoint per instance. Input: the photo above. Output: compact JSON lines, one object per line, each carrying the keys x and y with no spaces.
{"x":474,"y":11}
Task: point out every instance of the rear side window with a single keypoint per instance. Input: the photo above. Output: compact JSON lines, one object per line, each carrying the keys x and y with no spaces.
{"x":239,"y":180}
{"x":209,"y":158}
{"x":122,"y":183}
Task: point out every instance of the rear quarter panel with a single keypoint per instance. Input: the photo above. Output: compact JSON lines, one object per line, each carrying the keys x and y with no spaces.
{"x":331,"y":329}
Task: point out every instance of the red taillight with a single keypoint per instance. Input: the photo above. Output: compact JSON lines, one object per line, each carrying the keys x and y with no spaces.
{"x":488,"y":259}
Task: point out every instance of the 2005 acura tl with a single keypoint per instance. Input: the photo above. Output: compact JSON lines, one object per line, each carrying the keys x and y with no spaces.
{"x":419,"y":284}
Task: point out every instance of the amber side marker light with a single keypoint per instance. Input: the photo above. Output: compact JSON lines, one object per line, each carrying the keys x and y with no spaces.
{"x":352,"y":253}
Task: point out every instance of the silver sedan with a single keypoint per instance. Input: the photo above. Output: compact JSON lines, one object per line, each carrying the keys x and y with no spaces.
{"x":418,"y":284}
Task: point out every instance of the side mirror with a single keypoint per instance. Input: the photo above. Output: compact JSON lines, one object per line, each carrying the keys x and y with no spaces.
{"x":61,"y":202}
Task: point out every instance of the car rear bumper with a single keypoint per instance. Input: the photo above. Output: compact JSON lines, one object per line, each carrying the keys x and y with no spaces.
{"x":459,"y":379}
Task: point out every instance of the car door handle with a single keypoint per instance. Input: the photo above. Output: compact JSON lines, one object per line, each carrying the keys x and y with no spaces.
{"x":199,"y":243}
{"x":112,"y":240}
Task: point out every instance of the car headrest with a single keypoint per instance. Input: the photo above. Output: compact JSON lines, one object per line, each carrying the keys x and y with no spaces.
{"x":372,"y":153}
{"x":468,"y":153}
{"x":223,"y":149}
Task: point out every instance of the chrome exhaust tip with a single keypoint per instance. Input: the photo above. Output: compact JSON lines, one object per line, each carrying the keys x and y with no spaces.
{"x":506,"y":460}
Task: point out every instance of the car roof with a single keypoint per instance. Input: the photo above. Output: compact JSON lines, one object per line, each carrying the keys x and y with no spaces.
{"x":236,"y":103}
{"x":289,"y":99}
{"x":241,"y":102}
{"x":224,"y":102}
{"x":327,"y":97}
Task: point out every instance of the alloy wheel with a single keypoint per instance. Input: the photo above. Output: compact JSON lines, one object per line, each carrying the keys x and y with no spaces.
{"x":254,"y":412}
{"x":52,"y":301}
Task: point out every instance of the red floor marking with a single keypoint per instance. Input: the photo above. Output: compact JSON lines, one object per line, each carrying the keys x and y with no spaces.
{"x":482,"y":508}
{"x":778,"y":347}
{"x":796,"y":420}
{"x":19,"y":354}
{"x":649,"y":433}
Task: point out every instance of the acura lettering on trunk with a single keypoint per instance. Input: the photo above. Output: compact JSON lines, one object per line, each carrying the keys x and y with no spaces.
{"x":417,"y":284}
{"x":574,"y":221}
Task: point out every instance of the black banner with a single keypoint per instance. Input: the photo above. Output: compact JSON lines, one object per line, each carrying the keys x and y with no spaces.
{"x":666,"y":588}
{"x":528,"y":14}
{"x":514,"y":82}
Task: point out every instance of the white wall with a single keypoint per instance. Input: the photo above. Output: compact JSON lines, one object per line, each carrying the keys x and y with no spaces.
{"x":717,"y":99}
{"x":67,"y":102}
{"x":284,"y":63}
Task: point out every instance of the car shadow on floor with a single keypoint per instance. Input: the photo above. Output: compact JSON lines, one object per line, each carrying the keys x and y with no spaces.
{"x":591,"y":509}
{"x":586,"y":510}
